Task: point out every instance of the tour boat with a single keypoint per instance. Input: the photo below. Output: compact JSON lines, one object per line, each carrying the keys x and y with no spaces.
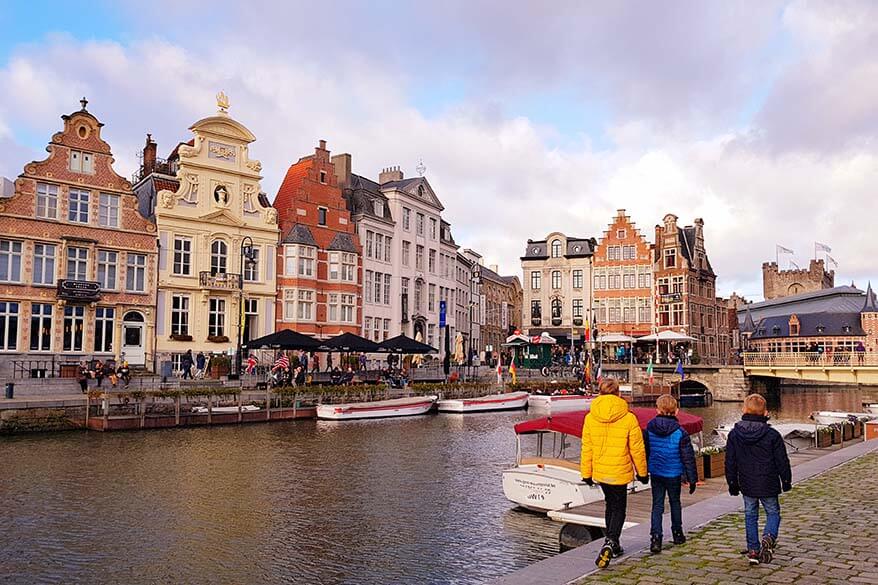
{"x":380,"y":409}
{"x":552,"y":403}
{"x":510,"y":401}
{"x":224,"y":409}
{"x":828,"y":417}
{"x":544,"y":484}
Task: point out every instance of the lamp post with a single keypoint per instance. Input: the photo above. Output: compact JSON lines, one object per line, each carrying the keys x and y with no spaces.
{"x":474,"y":302}
{"x":246,"y":252}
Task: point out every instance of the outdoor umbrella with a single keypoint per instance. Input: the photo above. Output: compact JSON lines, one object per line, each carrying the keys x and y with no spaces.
{"x":349,"y":342}
{"x":418,"y":358}
{"x":403,"y":344}
{"x":458,"y":348}
{"x":284,"y":339}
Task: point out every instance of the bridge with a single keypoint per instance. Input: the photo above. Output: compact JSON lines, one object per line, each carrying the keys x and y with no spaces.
{"x":844,"y":367}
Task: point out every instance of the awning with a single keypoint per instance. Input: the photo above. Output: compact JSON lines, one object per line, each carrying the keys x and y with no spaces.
{"x":406,"y":345}
{"x":350,"y":342}
{"x":570,"y":423}
{"x":615,"y":338}
{"x":666,"y":336}
{"x":284,"y":339}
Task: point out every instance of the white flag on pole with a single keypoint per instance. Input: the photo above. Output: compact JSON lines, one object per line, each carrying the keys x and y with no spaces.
{"x":822,"y":247}
{"x":781,"y":250}
{"x":832,"y":261}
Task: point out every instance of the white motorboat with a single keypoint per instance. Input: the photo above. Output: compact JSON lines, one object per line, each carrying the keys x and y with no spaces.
{"x":795,"y":435}
{"x":411,"y":406}
{"x":552,"y":403}
{"x":545,"y":484}
{"x":510,"y":401}
{"x":723,"y":432}
{"x":829,"y":417}
{"x":871,"y":408}
{"x":224,"y":409}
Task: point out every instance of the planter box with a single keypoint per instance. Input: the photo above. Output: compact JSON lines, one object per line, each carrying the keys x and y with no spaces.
{"x":699,"y":467}
{"x":824,"y":439}
{"x":836,"y":435}
{"x":715,"y":465}
{"x":858,"y":429}
{"x":847,"y":432}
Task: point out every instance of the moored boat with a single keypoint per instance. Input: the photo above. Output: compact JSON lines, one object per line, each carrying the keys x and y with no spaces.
{"x":795,"y":436}
{"x":411,"y":406}
{"x":828,"y":417}
{"x":509,"y":401}
{"x":552,"y":403}
{"x":224,"y":409}
{"x":871,"y":408}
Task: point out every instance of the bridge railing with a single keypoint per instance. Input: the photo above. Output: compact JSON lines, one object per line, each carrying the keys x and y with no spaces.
{"x":804,"y":359}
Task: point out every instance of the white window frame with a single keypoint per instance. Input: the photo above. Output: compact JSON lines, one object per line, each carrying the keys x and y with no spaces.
{"x":81,"y":162}
{"x":216,"y":319}
{"x":367,"y":285}
{"x":135,"y":272}
{"x":10,"y":325}
{"x":252,"y":269}
{"x":77,"y":259}
{"x":47,"y":201}
{"x":182,"y":264}
{"x":41,"y":316}
{"x":44,"y":263}
{"x":74,"y":318}
{"x":387,"y":289}
{"x":105,"y":323}
{"x":108,"y":267}
{"x":407,"y":219}
{"x":108,"y":210}
{"x":219,"y":257}
{"x":348,"y":267}
{"x":78,"y":205}
{"x":180,"y":314}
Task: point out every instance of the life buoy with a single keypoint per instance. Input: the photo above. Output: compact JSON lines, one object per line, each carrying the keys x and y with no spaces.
{"x":545,"y":371}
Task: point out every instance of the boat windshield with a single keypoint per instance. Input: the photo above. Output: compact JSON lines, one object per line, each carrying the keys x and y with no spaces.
{"x":550,"y":445}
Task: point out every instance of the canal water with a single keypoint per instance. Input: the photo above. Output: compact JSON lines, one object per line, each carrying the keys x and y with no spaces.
{"x":413,"y":500}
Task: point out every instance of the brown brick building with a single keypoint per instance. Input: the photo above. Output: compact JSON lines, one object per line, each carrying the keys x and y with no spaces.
{"x":502,"y":313}
{"x":77,"y":259}
{"x":319,"y":269}
{"x":622,"y":273}
{"x":685,"y":287}
{"x":781,"y":283}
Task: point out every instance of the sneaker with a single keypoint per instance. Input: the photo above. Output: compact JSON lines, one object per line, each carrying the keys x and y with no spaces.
{"x":604,"y":556}
{"x":655,"y":544}
{"x":766,"y":549}
{"x":618,"y":551}
{"x":753,"y":557}
{"x":679,"y":537}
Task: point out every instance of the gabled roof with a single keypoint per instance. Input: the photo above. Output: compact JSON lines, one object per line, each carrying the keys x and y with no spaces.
{"x":300,"y":234}
{"x":832,"y":324}
{"x":870,"y":306}
{"x":343,"y":242}
{"x":361,"y":197}
{"x":748,"y":326}
{"x":413,"y":187}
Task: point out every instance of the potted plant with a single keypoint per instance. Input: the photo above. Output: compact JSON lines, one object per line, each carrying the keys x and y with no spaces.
{"x":824,"y":437}
{"x":699,"y":467}
{"x":858,"y":429}
{"x":847,"y":430}
{"x":714,"y":459}
{"x":836,"y":434}
{"x":220,"y":365}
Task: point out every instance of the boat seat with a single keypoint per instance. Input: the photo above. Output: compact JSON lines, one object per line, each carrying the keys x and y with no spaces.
{"x":550,"y":461}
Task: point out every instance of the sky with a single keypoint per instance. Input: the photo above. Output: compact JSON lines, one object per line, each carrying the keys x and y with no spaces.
{"x":759,"y":117}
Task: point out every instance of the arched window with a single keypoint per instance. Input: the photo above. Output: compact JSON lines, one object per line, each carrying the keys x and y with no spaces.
{"x":556,"y":248}
{"x":218,"y":253}
{"x":556,"y":308}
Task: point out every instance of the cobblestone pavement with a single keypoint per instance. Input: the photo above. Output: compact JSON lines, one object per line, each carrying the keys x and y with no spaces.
{"x":828,"y":534}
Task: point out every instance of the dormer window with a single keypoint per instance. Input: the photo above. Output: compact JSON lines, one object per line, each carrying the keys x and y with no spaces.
{"x":846,"y":328}
{"x":775,"y":330}
{"x":323,"y":177}
{"x":821,"y":329}
{"x":794,"y":325}
{"x":378,"y":207}
{"x":556,"y":248}
{"x":670,"y":258}
{"x":621,"y":234}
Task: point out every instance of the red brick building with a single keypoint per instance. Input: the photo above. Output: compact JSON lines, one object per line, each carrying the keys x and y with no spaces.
{"x":622,"y":273}
{"x":77,"y":259}
{"x":319,"y":270}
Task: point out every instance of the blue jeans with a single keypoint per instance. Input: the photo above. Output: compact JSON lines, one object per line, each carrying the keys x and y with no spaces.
{"x":660,"y":487}
{"x":751,"y":519}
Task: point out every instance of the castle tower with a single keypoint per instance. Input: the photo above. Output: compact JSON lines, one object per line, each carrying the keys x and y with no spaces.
{"x":778,"y":283}
{"x":869,"y":321}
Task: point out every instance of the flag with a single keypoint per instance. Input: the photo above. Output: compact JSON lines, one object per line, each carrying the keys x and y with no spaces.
{"x":512,"y":371}
{"x":649,"y":372}
{"x":680,"y":371}
{"x":588,"y":371}
{"x":283,"y":363}
{"x":500,"y":368}
{"x":251,"y":364}
{"x":587,"y":333}
{"x":600,"y":375}
{"x":832,"y":261}
{"x":781,"y":250}
{"x":818,"y":247}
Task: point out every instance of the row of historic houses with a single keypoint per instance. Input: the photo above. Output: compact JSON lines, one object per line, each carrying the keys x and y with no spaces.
{"x":191,"y":254}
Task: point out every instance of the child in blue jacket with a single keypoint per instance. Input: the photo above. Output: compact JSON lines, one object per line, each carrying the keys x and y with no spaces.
{"x":670,"y":457}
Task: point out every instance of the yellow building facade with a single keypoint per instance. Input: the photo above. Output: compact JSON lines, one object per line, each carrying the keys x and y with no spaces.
{"x":217,"y":236}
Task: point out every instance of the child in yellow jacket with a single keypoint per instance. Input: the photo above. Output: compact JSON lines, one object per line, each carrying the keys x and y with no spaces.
{"x":612,"y":456}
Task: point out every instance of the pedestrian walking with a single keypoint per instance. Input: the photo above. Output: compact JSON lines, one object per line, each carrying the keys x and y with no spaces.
{"x":329,"y":362}
{"x":303,"y":359}
{"x":82,"y":377}
{"x":669,"y":456}
{"x":757,"y":466}
{"x":315,"y":362}
{"x":612,"y":456}
{"x":251,"y":364}
{"x":362,"y":361}
{"x":98,"y":372}
{"x":186,"y":364}
{"x":200,"y":364}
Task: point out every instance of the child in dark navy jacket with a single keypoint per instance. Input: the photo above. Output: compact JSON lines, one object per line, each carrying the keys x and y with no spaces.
{"x":758,"y":467}
{"x":670,"y":457}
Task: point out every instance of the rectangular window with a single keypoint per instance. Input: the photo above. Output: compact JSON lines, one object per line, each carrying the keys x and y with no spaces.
{"x":81,"y":162}
{"x":104,"y":329}
{"x":107,"y":269}
{"x":216,"y":321}
{"x":629,"y":279}
{"x":306,"y":261}
{"x":677,"y":314}
{"x":621,"y":234}
{"x":333,"y":308}
{"x":377,"y":285}
{"x":44,"y":264}
{"x":404,"y":286}
{"x":432,"y":228}
{"x":535,"y":278}
{"x":74,"y":324}
{"x":556,"y":279}
{"x":367,"y":326}
{"x":8,"y":326}
{"x":431,"y":298}
{"x":628,"y":314}
{"x":182,"y":256}
{"x":406,"y":252}
{"x":420,"y":224}
{"x":347,"y":308}
{"x":577,"y":308}
{"x":289,"y":304}
{"x":334,"y":265}
{"x":10,"y":261}
{"x":367,"y":286}
{"x":47,"y":201}
{"x":387,"y":248}
{"x":305,"y":308}
{"x":644,"y":313}
{"x":378,"y":207}
{"x":387,"y":289}
{"x":431,"y":262}
{"x":289,"y":260}
{"x":78,"y":209}
{"x":251,"y":268}
{"x":577,"y":279}
{"x":348,"y":266}
{"x":536,"y":310}
{"x":431,"y":334}
{"x":321,"y":216}
{"x":379,"y":247}
{"x":419,"y":257}
{"x":376,"y":334}
{"x":406,"y":219}
{"x":77,"y":263}
{"x":180,"y":315}
{"x":419,"y":292}
{"x":369,"y":237}
{"x":644,"y":280}
{"x":386,"y":334}
{"x":41,"y":327}
{"x":135,"y":274}
{"x":670,"y":258}
{"x":108,"y":210}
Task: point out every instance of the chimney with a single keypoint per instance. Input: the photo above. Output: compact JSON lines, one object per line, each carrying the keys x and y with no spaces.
{"x":389,"y":174}
{"x":149,"y":156}
{"x":342,"y":164}
{"x":494,"y":268}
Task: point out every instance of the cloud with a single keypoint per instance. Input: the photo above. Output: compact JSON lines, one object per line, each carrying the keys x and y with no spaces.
{"x":675,"y":141}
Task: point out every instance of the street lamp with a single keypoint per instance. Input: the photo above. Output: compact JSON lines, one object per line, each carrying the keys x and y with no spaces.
{"x":474,"y":288}
{"x":246,"y":253}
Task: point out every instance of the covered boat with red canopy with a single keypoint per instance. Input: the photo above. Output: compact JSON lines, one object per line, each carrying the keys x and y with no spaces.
{"x":570,"y":423}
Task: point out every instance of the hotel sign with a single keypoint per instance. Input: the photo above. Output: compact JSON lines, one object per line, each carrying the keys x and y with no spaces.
{"x":79,"y":290}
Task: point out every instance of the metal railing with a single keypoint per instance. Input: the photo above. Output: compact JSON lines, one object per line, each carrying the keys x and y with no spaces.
{"x":221,"y":280}
{"x":802,"y":359}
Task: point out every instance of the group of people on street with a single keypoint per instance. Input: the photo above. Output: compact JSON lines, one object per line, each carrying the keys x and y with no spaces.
{"x":615,"y":452}
{"x":187,"y":362}
{"x":98,"y":370}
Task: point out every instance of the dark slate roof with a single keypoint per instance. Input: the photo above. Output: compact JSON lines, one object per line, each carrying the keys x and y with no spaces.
{"x":263,"y":200}
{"x":871,"y":305}
{"x":841,"y":299}
{"x":536,"y":250}
{"x":687,"y":243}
{"x":833,"y":325}
{"x":343,"y":242}
{"x":300,"y":234}
{"x":400,"y":184}
{"x":361,"y":196}
{"x":445,"y":227}
{"x":748,"y":326}
{"x":580,"y":247}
